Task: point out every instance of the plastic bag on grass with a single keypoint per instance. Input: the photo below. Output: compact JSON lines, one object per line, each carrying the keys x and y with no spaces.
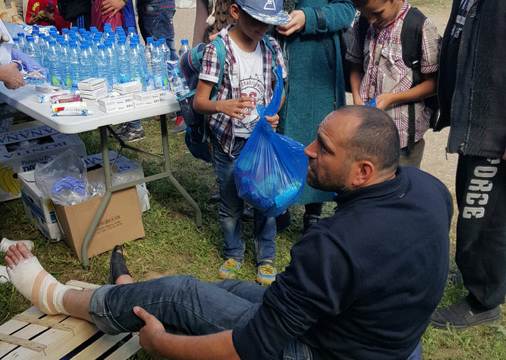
{"x":271,"y":169}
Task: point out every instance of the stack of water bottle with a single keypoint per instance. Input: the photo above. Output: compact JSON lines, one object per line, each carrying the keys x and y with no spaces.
{"x":117,"y":56}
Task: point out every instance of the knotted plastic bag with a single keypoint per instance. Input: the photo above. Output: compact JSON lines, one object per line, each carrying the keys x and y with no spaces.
{"x":271,"y":169}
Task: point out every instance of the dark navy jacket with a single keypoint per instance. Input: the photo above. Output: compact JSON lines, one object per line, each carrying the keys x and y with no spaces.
{"x":363,"y":283}
{"x":477,"y":109}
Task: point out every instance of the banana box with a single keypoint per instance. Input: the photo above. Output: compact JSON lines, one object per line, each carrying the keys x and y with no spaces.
{"x":21,"y":149}
{"x":40,"y":209}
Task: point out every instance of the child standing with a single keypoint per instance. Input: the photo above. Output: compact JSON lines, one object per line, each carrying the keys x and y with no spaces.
{"x":379,"y":71}
{"x":248,"y":79}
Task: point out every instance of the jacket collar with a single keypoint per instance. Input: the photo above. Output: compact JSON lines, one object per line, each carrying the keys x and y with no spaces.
{"x":396,"y":186}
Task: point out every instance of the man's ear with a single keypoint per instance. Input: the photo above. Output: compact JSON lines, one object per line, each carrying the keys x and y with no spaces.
{"x":234,"y":11}
{"x":364,"y":172}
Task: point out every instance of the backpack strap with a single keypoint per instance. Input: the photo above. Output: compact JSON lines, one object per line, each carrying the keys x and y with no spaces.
{"x":411,"y":42}
{"x":221,"y":54}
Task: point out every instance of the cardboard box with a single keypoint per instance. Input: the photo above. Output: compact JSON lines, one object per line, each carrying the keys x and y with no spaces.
{"x":123,"y":170}
{"x":21,"y":149}
{"x":40,"y":209}
{"x":120,"y":223}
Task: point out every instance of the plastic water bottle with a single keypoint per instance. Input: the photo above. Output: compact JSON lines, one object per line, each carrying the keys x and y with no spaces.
{"x":31,"y":48}
{"x":178,"y":83}
{"x":165,"y":49}
{"x":43,"y":49}
{"x":148,"y":52}
{"x":35,"y":34}
{"x":53,"y":64}
{"x":75,"y":73}
{"x":131,"y":32}
{"x":65,"y":33}
{"x":86,"y":62}
{"x":103,"y":66}
{"x":64,"y":55}
{"x":16,"y":43}
{"x":159,"y":68}
{"x":136,"y":64}
{"x":123,"y":62}
{"x":22,"y":41}
{"x":185,"y":46}
{"x":111,"y":59}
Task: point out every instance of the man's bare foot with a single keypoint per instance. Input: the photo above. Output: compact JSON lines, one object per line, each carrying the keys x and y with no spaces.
{"x":31,"y":280}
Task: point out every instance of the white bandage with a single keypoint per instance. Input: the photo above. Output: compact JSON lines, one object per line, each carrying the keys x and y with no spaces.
{"x":6,"y":243}
{"x":41,"y":288}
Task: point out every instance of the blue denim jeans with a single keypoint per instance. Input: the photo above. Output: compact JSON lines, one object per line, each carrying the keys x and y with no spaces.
{"x":156,"y":20}
{"x":186,"y":305}
{"x":231,"y":208}
{"x":183,"y":305}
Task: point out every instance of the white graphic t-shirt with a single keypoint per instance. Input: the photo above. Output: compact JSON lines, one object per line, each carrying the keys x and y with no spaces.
{"x":251,"y":83}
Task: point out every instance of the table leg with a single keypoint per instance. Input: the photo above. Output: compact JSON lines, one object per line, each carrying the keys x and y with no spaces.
{"x":172,"y":179}
{"x":105,"y":200}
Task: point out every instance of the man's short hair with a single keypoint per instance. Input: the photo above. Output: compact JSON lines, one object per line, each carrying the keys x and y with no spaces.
{"x":376,"y":138}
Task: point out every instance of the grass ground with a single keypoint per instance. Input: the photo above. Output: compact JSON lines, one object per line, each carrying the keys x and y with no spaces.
{"x":173,"y":245}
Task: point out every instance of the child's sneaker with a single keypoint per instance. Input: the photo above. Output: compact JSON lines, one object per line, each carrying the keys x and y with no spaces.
{"x":229,"y":269}
{"x":132,"y":134}
{"x":266,"y":273}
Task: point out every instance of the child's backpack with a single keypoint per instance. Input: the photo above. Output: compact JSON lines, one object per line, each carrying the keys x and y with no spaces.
{"x":190,"y":63}
{"x":411,"y":41}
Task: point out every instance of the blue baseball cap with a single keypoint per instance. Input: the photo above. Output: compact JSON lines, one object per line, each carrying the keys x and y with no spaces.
{"x":267,"y":11}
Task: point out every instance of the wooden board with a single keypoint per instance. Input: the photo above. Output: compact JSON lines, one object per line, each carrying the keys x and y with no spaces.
{"x":85,"y":341}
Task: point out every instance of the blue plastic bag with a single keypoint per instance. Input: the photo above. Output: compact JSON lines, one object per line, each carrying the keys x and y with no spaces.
{"x":271,"y":169}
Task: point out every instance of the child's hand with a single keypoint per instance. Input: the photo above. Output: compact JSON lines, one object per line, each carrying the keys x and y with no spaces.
{"x":273,"y":120}
{"x":384,"y":101}
{"x":357,"y":100}
{"x":235,"y":108}
{"x":297,"y":23}
{"x":111,"y":7}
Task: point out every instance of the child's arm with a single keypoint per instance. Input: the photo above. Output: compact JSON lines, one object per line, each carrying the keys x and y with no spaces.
{"x":355,"y":81}
{"x":235,"y":108}
{"x":418,"y":93}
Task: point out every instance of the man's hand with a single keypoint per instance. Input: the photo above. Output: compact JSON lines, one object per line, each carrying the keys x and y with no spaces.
{"x":11,"y":76}
{"x":152,"y":330}
{"x":235,"y":108}
{"x":273,"y":120}
{"x":111,"y":7}
{"x":384,"y":101}
{"x":297,"y":23}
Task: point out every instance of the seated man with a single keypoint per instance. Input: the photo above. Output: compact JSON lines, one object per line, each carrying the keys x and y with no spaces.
{"x":361,"y":284}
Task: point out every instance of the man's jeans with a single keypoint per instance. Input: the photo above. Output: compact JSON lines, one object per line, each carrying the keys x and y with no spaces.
{"x":184,"y":305}
{"x":156,"y":20}
{"x":231,"y":208}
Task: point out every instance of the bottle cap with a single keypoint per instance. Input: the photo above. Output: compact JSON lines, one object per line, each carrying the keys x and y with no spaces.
{"x":185,"y":42}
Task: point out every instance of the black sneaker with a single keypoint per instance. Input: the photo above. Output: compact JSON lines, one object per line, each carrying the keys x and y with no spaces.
{"x":461,"y":315}
{"x":132,"y":135}
{"x":117,"y":264}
